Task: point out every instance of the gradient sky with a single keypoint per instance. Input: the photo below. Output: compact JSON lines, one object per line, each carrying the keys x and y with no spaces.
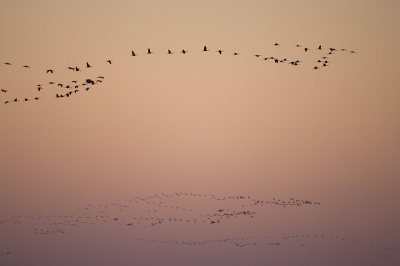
{"x":200,"y":123}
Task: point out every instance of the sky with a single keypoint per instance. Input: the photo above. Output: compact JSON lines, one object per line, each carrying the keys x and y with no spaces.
{"x":199,"y":158}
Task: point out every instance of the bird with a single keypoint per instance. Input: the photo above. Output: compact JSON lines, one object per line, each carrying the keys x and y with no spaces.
{"x":87,"y":65}
{"x":26,"y":99}
{"x":205,"y":49}
{"x":72,"y":68}
{"x":59,"y":84}
{"x":235,"y":53}
{"x":149,"y":52}
{"x":277,"y":44}
{"x":77,"y":69}
{"x":306,"y":49}
{"x":219,"y":51}
{"x":37,"y":98}
{"x":169,"y":52}
{"x":49,"y":71}
{"x":316,"y":67}
{"x":184,"y":52}
{"x":8,"y":64}
{"x":320,"y":48}
{"x":257,"y":55}
{"x":133,"y":54}
{"x":100,"y":77}
{"x":109,"y":61}
{"x":298,"y":45}
{"x":3,"y":90}
{"x":39,"y":88}
{"x":5,"y":102}
{"x":26,"y":66}
{"x":87,"y":88}
{"x":16,"y":100}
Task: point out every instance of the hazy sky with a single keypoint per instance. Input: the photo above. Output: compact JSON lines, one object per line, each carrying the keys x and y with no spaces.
{"x":200,"y":123}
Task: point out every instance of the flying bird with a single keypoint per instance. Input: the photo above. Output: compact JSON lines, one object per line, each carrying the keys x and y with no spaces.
{"x":49,"y":71}
{"x":3,"y":90}
{"x":277,"y":44}
{"x":149,"y":52}
{"x":235,"y":53}
{"x":219,"y":51}
{"x":109,"y":61}
{"x":87,"y":65}
{"x":169,"y":52}
{"x":26,"y":66}
{"x":205,"y":49}
{"x":133,"y":54}
{"x":8,"y":64}
{"x":183,"y":51}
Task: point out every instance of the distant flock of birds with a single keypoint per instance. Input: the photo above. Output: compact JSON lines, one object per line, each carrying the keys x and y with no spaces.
{"x":322,"y":62}
{"x":175,"y":209}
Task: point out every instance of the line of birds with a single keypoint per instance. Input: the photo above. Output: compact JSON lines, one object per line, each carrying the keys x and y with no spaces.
{"x":205,"y":49}
{"x":323,"y":63}
{"x":177,"y":208}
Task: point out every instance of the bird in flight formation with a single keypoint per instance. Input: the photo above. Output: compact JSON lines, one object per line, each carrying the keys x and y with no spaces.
{"x":192,"y":210}
{"x":323,"y":63}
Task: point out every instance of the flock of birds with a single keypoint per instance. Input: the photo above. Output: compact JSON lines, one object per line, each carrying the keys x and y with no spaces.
{"x":74,"y":88}
{"x":195,"y":211}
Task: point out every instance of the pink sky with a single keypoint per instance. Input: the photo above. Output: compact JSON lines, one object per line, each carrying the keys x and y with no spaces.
{"x":200,"y":123}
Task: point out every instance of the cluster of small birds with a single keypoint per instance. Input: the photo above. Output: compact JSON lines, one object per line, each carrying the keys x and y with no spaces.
{"x":177,"y":208}
{"x":322,"y":62}
{"x":154,"y":215}
{"x":245,"y":241}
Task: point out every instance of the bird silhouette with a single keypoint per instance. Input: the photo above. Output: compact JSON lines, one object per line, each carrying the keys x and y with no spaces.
{"x":8,"y":64}
{"x":219,"y":51}
{"x":184,"y":52}
{"x":87,"y":65}
{"x":205,"y":49}
{"x":3,"y":90}
{"x":49,"y":71}
{"x":109,"y":61}
{"x":149,"y":52}
{"x":169,"y":52}
{"x":26,"y":66}
{"x":133,"y":54}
